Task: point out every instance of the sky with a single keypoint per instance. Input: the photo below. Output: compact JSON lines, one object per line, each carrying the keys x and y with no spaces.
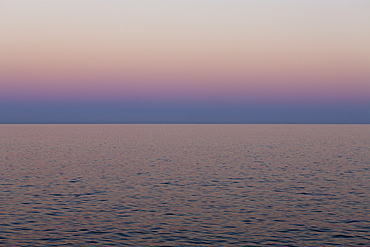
{"x":185,"y":61}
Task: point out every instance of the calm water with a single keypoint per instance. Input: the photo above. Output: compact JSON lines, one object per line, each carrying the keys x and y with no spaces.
{"x":185,"y":185}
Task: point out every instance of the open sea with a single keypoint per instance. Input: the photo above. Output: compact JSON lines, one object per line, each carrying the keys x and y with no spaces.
{"x":184,"y":185}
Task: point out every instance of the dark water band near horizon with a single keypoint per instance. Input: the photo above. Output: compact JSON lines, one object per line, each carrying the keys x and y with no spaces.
{"x":185,"y":185}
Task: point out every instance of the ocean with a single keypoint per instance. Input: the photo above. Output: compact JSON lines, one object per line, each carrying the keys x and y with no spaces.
{"x":184,"y":185}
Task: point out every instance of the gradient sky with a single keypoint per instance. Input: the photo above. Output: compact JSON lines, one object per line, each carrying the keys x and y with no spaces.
{"x":185,"y":61}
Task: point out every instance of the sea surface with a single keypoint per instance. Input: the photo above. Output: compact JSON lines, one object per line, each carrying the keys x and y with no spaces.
{"x":185,"y":185}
